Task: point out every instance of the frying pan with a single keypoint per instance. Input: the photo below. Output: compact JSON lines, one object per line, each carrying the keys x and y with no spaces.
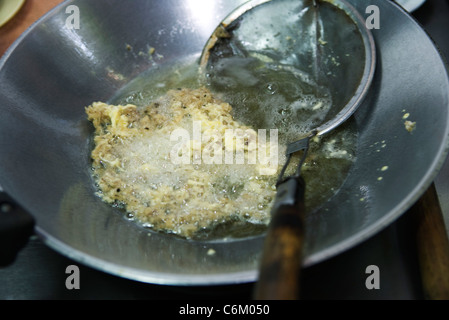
{"x":52,"y":72}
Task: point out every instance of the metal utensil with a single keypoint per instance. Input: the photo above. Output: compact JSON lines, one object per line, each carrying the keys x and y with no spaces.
{"x":240,"y":35}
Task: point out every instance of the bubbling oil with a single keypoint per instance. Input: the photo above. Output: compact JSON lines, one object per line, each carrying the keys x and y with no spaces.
{"x":270,"y":96}
{"x":263,"y":96}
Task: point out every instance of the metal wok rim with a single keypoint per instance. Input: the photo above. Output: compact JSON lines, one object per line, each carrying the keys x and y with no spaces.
{"x":236,"y":277}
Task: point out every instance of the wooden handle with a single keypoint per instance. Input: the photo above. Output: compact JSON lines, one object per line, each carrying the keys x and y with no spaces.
{"x":279,"y":277}
{"x":432,"y":246}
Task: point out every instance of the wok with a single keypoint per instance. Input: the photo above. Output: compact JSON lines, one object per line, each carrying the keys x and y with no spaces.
{"x":52,"y":72}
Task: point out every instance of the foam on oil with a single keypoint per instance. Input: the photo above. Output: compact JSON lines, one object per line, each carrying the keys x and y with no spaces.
{"x":263,"y":96}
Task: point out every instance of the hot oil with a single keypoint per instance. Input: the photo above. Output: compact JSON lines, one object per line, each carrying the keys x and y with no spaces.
{"x":154,"y":83}
{"x":269,"y":96}
{"x":265,"y":97}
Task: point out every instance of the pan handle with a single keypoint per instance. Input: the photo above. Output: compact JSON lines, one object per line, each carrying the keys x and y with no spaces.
{"x":279,"y":274}
{"x":432,"y":245}
{"x":16,"y":227}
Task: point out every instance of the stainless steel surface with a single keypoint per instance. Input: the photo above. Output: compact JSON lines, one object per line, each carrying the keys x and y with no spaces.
{"x":52,"y":72}
{"x":433,"y":16}
{"x":331,"y":47}
{"x":411,"y":5}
